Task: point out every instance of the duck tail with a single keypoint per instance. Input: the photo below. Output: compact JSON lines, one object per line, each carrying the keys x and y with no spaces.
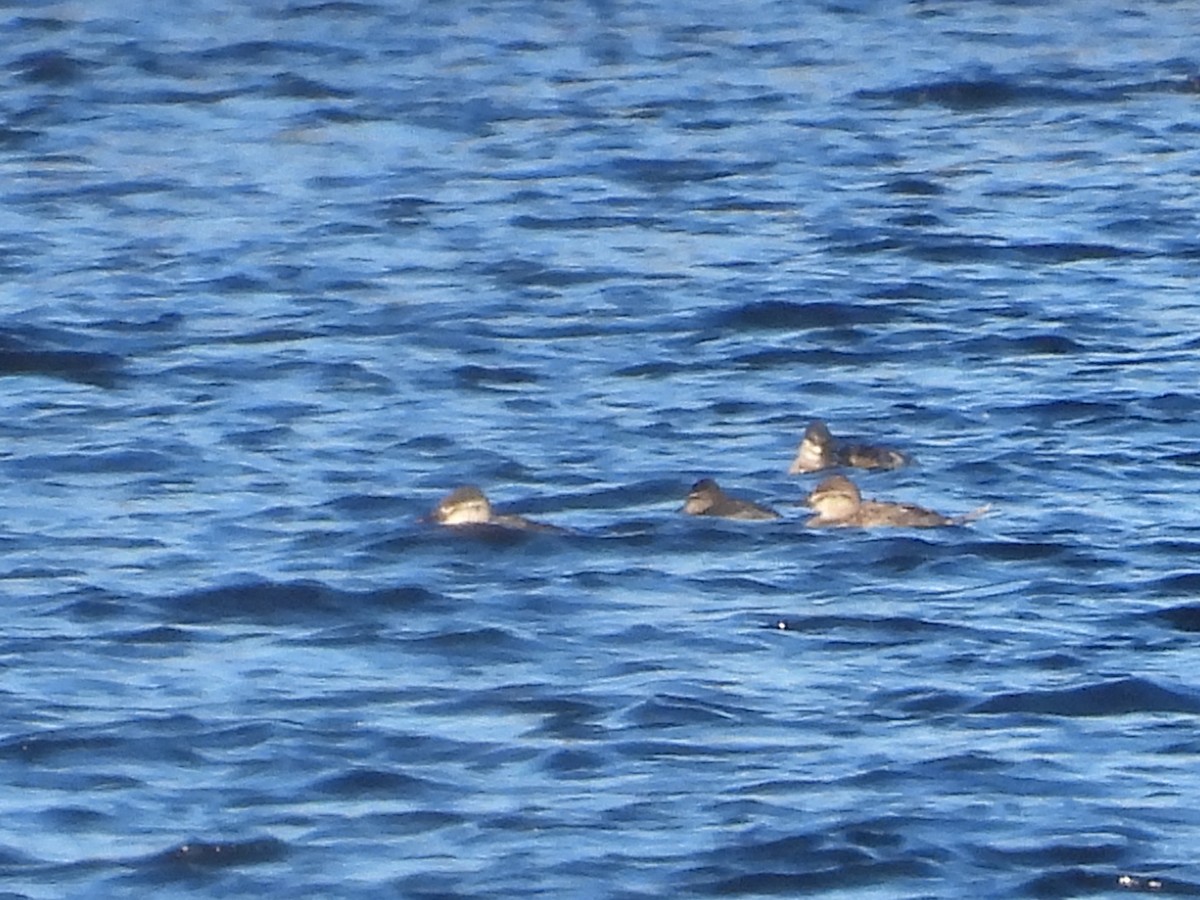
{"x":971,"y":516}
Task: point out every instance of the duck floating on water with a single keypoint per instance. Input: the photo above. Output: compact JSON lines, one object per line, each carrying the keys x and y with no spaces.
{"x":821,"y":450}
{"x":840,"y":505}
{"x":707,"y":499}
{"x":467,"y":505}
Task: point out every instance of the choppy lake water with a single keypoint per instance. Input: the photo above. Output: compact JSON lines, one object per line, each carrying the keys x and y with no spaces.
{"x":279,"y":276}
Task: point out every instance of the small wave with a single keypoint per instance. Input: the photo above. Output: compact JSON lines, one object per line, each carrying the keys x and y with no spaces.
{"x":971,"y":95}
{"x":923,"y":701}
{"x":1010,"y":550}
{"x":163,"y":634}
{"x":361,"y":783}
{"x":276,"y":53}
{"x":815,"y":357}
{"x":911,"y":290}
{"x":666,"y":711}
{"x":889,"y":628}
{"x":272,"y":601}
{"x":902,"y":554}
{"x":1075,"y":882}
{"x":16,"y":138}
{"x":187,"y":98}
{"x":667,"y":173}
{"x":1184,"y":584}
{"x":520,"y":273}
{"x":58,"y":747}
{"x":418,"y":821}
{"x":117,"y":462}
{"x":656,"y":369}
{"x":1028,"y":345}
{"x":219,"y":854}
{"x":1182,"y":618}
{"x":764,"y":315}
{"x":405,"y":212}
{"x":574,"y":762}
{"x":1102,"y":849}
{"x":913,"y":187}
{"x":1055,"y":252}
{"x":1113,"y":698}
{"x":578,"y":223}
{"x":854,"y":856}
{"x":1174,"y":406}
{"x":959,"y":250}
{"x":297,"y":87}
{"x":480,"y":377}
{"x":1055,"y":411}
{"x":272,"y":335}
{"x":483,"y":644}
{"x":915,"y":220}
{"x":52,"y":67}
{"x":96,"y":369}
{"x":840,"y":879}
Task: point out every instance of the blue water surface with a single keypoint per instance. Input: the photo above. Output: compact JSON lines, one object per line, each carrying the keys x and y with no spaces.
{"x":278,"y":276}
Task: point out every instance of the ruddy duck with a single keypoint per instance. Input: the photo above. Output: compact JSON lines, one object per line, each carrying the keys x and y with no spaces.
{"x":467,"y":505}
{"x":707,"y":499}
{"x":821,"y":450}
{"x":839,"y":505}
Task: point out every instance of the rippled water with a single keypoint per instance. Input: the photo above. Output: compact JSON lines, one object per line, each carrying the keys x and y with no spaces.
{"x":276,"y":279}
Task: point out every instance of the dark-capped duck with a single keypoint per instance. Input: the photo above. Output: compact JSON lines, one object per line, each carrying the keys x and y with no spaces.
{"x":467,"y":505}
{"x":839,"y":504}
{"x":707,"y":499}
{"x":820,"y":450}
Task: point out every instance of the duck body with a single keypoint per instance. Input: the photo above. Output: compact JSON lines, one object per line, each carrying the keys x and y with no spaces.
{"x":839,"y":504}
{"x":820,"y":450}
{"x":468,"y":506}
{"x":707,"y":499}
